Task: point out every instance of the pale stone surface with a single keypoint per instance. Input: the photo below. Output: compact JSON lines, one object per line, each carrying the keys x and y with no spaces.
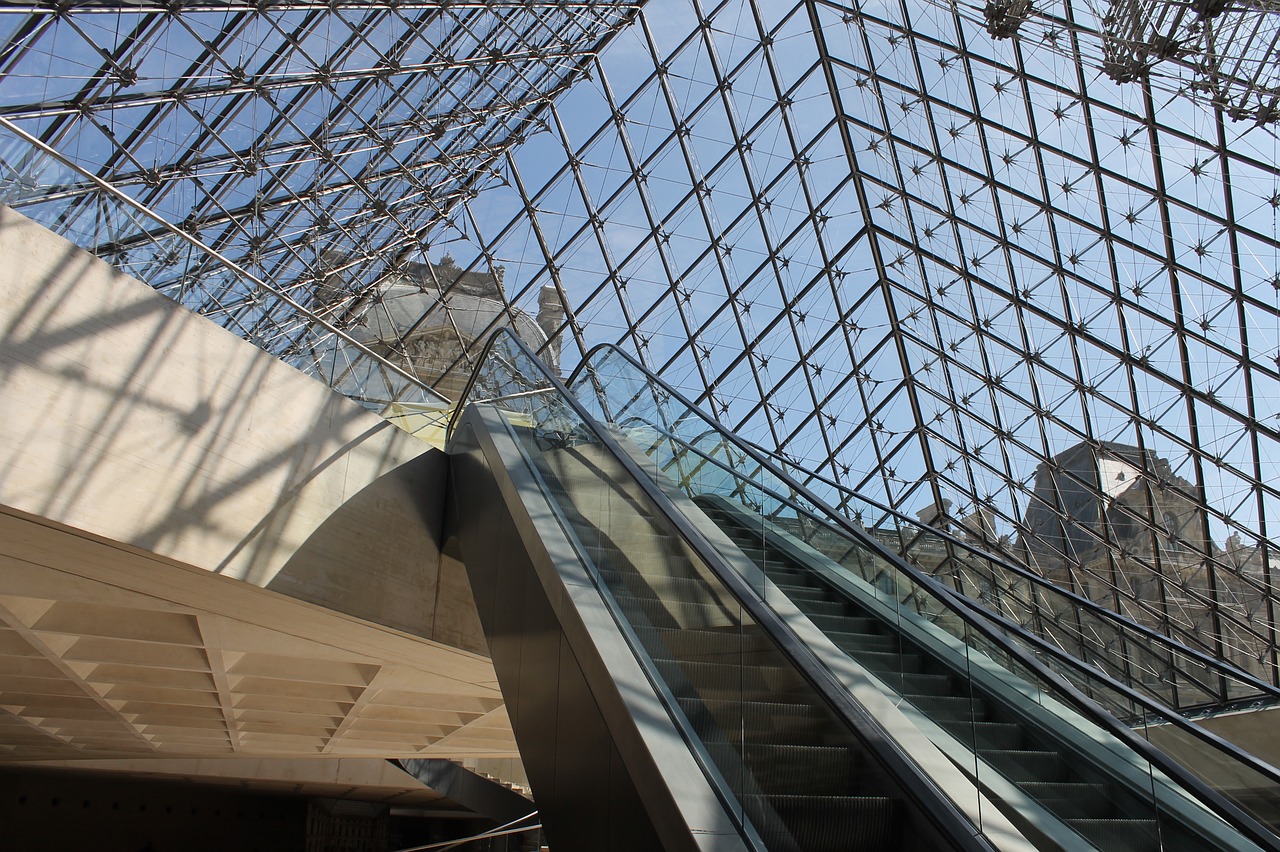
{"x":206,"y":552}
{"x":128,"y":416}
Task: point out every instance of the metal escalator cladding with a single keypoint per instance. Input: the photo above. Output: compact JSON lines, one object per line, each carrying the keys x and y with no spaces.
{"x":781,"y":754}
{"x":1067,"y":773}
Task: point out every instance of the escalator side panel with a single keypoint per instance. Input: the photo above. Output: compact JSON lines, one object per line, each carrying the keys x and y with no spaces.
{"x":565,"y":672}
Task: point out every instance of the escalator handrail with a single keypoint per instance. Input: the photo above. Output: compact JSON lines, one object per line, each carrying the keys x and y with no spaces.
{"x":1022,"y":632}
{"x":1153,"y":705}
{"x":915,"y":782}
{"x":465,"y":397}
{"x":661,"y":687}
{"x":766,"y":460}
{"x":760,"y":455}
{"x":978,"y":621}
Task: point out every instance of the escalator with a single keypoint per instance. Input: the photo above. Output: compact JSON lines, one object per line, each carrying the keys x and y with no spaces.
{"x":682,"y":671}
{"x":1138,"y":676}
{"x":799,"y":777}
{"x":998,"y":733}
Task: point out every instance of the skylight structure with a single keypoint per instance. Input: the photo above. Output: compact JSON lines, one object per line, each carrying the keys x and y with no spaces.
{"x":1010,"y":266}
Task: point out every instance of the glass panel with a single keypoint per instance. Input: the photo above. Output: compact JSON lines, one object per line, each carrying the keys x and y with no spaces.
{"x":1024,"y":739}
{"x":121,"y":232}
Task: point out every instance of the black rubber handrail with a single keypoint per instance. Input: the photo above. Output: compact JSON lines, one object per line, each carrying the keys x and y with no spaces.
{"x":1148,"y":703}
{"x":766,"y":460}
{"x":930,"y":800}
{"x":1173,"y":647}
{"x":980,"y":623}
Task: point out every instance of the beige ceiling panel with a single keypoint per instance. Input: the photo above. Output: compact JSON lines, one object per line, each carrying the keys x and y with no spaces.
{"x":161,"y":695}
{"x":285,"y":704}
{"x":90,"y":741}
{"x":37,"y":686}
{"x":116,"y":652}
{"x":278,"y":741}
{"x":295,"y":689}
{"x":86,"y":619}
{"x":439,"y":701}
{"x":28,"y":667}
{"x":192,"y":738}
{"x":101,"y":650}
{"x":244,"y":717}
{"x":61,"y":707}
{"x":120,"y":673}
{"x":393,"y":713}
{"x":19,"y":610}
{"x":179,"y":719}
{"x":13,"y":645}
{"x":301,"y":668}
{"x":380,"y":743}
{"x":406,"y":730}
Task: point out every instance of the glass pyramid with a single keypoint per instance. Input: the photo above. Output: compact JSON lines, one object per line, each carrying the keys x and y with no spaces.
{"x":1009,"y":266}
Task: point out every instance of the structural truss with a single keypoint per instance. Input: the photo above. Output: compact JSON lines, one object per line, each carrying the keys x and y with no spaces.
{"x":1010,"y":265}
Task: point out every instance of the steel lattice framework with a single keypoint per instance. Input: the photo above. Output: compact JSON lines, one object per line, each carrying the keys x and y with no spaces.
{"x":1016,"y":268}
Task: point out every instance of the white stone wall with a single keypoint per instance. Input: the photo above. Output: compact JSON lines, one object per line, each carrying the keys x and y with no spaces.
{"x":125,"y":415}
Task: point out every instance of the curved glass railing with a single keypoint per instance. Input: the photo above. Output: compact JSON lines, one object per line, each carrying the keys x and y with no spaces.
{"x":1148,"y":661}
{"x":948,"y":663}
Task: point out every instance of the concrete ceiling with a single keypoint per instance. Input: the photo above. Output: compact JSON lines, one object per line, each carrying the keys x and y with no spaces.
{"x":109,"y":652}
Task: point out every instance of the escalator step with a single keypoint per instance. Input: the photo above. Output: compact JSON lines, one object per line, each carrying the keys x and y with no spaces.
{"x":841,"y":623}
{"x":783,"y":574}
{"x":994,"y":735}
{"x":661,"y":563}
{"x":763,"y":721}
{"x":829,"y":823}
{"x":1119,"y":835}
{"x":1025,"y":765}
{"x":1071,"y":799}
{"x":854,"y":644}
{"x":675,"y":614}
{"x":728,"y":646}
{"x":823,"y":608}
{"x":787,"y":770}
{"x":804,"y":593}
{"x":949,"y":707}
{"x":656,"y":589}
{"x":914,"y":683}
{"x":860,"y":625}
{"x":881,"y":661}
{"x":712,"y":681}
{"x":656,"y":586}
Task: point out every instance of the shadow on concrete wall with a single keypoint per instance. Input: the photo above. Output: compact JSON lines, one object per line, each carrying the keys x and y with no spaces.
{"x":129,"y":416}
{"x":377,"y":556}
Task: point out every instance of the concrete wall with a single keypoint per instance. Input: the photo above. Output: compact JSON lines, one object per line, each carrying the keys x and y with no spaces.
{"x":129,"y":417}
